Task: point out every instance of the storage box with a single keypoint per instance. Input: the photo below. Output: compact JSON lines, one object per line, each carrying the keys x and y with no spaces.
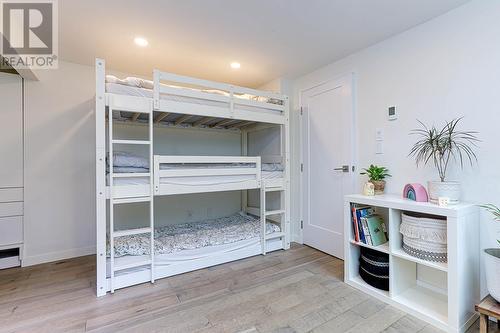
{"x":374,"y":268}
{"x":424,"y":236}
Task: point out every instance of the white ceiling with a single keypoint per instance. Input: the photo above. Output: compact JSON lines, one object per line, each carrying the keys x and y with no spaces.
{"x":270,"y":38}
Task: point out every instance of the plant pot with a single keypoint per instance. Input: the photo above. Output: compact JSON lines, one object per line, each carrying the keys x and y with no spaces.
{"x":492,"y":269}
{"x":379,"y":186}
{"x":449,"y":190}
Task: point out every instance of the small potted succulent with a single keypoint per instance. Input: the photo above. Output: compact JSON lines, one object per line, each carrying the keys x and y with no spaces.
{"x":492,"y":259}
{"x":376,"y":175}
{"x":440,"y":146}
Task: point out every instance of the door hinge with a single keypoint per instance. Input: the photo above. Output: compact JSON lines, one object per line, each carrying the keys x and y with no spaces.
{"x":301,"y":224}
{"x":301,"y":167}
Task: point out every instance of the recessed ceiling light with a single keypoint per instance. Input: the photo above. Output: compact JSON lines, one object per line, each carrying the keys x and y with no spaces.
{"x":142,"y":42}
{"x":235,"y":65}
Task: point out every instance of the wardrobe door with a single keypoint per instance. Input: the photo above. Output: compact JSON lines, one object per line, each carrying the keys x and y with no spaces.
{"x":11,"y":129}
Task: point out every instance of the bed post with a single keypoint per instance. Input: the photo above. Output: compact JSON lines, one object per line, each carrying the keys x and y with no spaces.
{"x":156,"y":89}
{"x":285,"y":132}
{"x":100,"y":143}
{"x":244,"y":152}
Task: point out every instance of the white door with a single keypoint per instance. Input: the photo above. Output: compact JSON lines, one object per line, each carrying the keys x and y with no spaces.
{"x":328,"y":163}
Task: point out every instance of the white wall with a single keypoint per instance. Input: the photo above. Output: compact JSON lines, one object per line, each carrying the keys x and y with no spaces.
{"x":443,"y":69}
{"x":59,"y":164}
{"x":273,"y":85}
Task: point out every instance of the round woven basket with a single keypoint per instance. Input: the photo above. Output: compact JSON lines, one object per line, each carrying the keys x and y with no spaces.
{"x":424,"y":236}
{"x":374,"y":268}
{"x":379,"y":186}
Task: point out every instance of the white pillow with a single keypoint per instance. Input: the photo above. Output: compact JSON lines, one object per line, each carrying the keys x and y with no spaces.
{"x":133,"y":81}
{"x":146,"y":84}
{"x":130,"y":81}
{"x":124,"y":159}
{"x":114,"y":79}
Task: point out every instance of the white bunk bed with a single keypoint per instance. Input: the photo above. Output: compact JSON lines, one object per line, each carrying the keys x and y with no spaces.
{"x":187,"y":102}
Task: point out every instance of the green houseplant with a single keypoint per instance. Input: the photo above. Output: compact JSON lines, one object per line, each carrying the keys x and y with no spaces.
{"x":377,"y":175}
{"x":441,"y":146}
{"x":492,"y":259}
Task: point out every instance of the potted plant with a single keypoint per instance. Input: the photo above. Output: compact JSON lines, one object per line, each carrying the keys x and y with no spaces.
{"x":492,"y":259}
{"x":440,"y":146}
{"x":376,"y":175}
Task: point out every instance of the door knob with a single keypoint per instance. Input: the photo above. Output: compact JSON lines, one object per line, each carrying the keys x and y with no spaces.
{"x":344,"y":168}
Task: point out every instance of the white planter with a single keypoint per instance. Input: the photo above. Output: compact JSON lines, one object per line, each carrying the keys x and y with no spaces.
{"x":449,"y":190}
{"x":492,"y":269}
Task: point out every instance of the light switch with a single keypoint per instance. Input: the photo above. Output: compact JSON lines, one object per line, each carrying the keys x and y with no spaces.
{"x":392,"y":113}
{"x":379,"y":134}
{"x":379,"y":147}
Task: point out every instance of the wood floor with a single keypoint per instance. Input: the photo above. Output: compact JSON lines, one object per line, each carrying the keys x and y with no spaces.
{"x":299,"y":290}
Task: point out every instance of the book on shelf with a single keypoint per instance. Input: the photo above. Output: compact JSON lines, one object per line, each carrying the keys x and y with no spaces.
{"x":366,"y":232}
{"x":376,"y":229}
{"x":368,"y":227}
{"x":359,"y":236}
{"x":356,"y":223}
{"x":359,"y":211}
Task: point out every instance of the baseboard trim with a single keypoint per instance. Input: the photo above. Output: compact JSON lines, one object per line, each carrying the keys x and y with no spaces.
{"x":55,"y":256}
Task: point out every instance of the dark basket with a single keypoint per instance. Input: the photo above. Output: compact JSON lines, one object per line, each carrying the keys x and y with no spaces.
{"x":374,"y":268}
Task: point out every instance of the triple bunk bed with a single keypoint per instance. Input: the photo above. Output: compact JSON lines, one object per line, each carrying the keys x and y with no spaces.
{"x":133,"y":255}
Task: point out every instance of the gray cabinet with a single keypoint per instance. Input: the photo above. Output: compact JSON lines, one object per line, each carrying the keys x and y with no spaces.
{"x":11,"y":168}
{"x":11,"y":129}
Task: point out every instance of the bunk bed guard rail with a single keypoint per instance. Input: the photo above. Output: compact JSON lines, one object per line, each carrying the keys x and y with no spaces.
{"x":198,"y":174}
{"x":271,"y":106}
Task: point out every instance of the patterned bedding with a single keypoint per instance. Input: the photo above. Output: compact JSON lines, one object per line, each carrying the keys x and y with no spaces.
{"x":188,"y":236}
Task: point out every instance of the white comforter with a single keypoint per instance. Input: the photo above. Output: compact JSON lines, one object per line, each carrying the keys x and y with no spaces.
{"x":146,"y":84}
{"x":127,"y":162}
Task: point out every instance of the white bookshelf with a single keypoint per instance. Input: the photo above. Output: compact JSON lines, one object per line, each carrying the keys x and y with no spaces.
{"x":442,"y":294}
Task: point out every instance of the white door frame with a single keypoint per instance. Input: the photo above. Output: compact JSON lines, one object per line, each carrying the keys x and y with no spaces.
{"x":349,"y":77}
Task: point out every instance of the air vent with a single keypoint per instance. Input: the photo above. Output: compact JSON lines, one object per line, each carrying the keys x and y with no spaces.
{"x":9,"y":258}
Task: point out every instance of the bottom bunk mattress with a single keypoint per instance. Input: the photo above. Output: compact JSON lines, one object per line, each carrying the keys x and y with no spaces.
{"x":189,"y":236}
{"x":187,"y":260}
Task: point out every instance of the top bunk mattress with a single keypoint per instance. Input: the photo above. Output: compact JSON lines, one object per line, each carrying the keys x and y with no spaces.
{"x":132,"y":88}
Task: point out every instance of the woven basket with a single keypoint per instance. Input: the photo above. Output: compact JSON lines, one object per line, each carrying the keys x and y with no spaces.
{"x":424,"y":236}
{"x":374,"y":268}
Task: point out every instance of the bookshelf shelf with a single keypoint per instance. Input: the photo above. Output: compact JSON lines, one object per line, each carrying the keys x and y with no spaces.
{"x":359,"y":283}
{"x":436,"y":265}
{"x":381,"y":248}
{"x":427,"y":302}
{"x":442,"y":294}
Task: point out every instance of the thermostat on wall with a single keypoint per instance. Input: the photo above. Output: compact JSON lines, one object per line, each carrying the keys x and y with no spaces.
{"x":391,"y":112}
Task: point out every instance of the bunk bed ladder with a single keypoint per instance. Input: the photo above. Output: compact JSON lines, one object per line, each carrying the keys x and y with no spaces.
{"x":264,"y":213}
{"x":113,"y":234}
